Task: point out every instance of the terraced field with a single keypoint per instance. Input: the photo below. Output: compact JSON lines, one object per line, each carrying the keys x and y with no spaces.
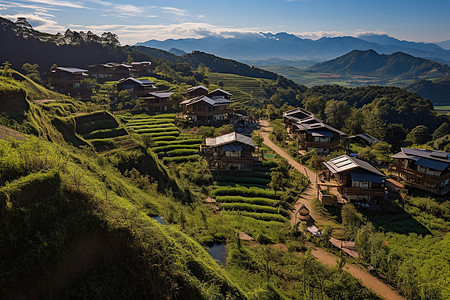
{"x":241,"y":87}
{"x":167,"y":141}
{"x":246,"y":194}
{"x":103,"y":131}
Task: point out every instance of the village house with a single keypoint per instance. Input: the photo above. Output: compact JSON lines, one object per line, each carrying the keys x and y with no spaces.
{"x":364,"y":139}
{"x":136,"y":87}
{"x":110,"y":71}
{"x":66,"y":79}
{"x":196,"y":91}
{"x":232,"y":151}
{"x":310,"y":132}
{"x":156,"y":102}
{"x":141,"y":68}
{"x":205,"y":110}
{"x":357,"y":181}
{"x":424,"y":169}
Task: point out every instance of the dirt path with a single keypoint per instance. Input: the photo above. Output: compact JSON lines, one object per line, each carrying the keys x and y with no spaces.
{"x":306,"y":198}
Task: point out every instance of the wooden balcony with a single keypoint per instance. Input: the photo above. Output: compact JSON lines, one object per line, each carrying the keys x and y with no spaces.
{"x":374,"y":192}
{"x":418,"y":176}
{"x":209,"y":113}
{"x":332,"y":144}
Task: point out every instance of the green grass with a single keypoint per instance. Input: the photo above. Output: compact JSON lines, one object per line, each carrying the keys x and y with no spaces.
{"x":246,"y":192}
{"x":157,"y":130}
{"x":250,"y":200}
{"x":106,"y":133}
{"x":258,"y":216}
{"x":180,"y":159}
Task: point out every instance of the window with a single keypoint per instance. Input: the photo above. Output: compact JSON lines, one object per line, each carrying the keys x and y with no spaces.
{"x":362,"y":185}
{"x":321,"y":139}
{"x":233,"y":153}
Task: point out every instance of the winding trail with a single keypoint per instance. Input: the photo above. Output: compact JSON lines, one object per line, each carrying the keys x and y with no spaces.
{"x":368,"y":280}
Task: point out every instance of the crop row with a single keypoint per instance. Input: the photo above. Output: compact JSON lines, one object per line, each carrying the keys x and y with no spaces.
{"x":173,"y":147}
{"x":161,"y":134}
{"x":178,"y":153}
{"x":259,"y":216}
{"x":181,"y":159}
{"x":179,"y":142}
{"x":137,"y":127}
{"x":250,"y":200}
{"x":149,"y":121}
{"x":247,"y":192}
{"x":156,"y":130}
{"x":250,"y":180}
{"x":106,"y":133}
{"x":240,"y":184}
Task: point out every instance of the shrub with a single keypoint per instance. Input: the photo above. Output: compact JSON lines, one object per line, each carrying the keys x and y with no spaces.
{"x":163,"y":138}
{"x":160,"y":134}
{"x":260,"y":181}
{"x":259,"y":216}
{"x":173,"y":147}
{"x":179,"y":142}
{"x":156,"y":130}
{"x":249,"y":207}
{"x":138,"y":127}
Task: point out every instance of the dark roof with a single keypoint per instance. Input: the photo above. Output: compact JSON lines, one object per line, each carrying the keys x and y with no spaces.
{"x":317,"y":127}
{"x":71,"y":70}
{"x":300,"y":114}
{"x":228,"y":139}
{"x":213,"y":102}
{"x":368,"y":138}
{"x":143,"y":82}
{"x":161,"y":94}
{"x":431,"y":164}
{"x":415,"y":154}
{"x":196,"y":88}
{"x":220,"y":91}
{"x":344,"y":162}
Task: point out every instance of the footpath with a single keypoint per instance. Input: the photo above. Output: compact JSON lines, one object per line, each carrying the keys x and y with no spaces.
{"x":367,"y":279}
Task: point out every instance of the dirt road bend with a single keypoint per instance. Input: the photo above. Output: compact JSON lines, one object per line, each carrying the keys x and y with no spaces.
{"x":367,"y":279}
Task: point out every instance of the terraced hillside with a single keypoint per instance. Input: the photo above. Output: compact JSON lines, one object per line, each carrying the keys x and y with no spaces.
{"x":164,"y":138}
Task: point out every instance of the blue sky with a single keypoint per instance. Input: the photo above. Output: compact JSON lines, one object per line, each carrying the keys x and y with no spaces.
{"x":139,"y":20}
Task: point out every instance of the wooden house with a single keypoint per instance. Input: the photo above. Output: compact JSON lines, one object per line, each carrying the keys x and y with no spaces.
{"x":156,"y":101}
{"x":206,"y":110}
{"x":364,"y":139}
{"x":310,"y":132}
{"x":356,"y":180}
{"x":110,"y":71}
{"x":424,"y":169}
{"x":196,"y":91}
{"x":231,"y":151}
{"x":66,"y":79}
{"x":136,"y":87}
{"x":141,"y":68}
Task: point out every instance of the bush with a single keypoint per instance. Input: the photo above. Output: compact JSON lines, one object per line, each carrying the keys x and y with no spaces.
{"x":161,"y":134}
{"x":163,"y":138}
{"x":138,"y":127}
{"x":156,"y":130}
{"x":149,"y":121}
{"x":251,"y":180}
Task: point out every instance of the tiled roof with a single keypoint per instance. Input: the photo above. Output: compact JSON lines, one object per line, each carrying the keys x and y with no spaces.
{"x":213,"y":102}
{"x":345,"y":162}
{"x":71,"y":70}
{"x":229,"y":138}
{"x":143,"y":82}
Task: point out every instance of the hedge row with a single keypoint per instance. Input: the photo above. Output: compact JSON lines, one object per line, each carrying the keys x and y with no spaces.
{"x":254,"y":208}
{"x":163,"y":116}
{"x":150,"y":121}
{"x":254,"y":180}
{"x":259,"y":216}
{"x":156,"y":130}
{"x":173,"y":147}
{"x":239,"y":184}
{"x":247,"y":192}
{"x":179,"y":142}
{"x":240,"y":199}
{"x":87,"y":127}
{"x":106,"y":133}
{"x":181,"y":159}
{"x":164,"y":139}
{"x":178,"y":152}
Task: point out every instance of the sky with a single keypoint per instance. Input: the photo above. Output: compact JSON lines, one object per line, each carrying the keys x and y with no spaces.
{"x":138,"y":21}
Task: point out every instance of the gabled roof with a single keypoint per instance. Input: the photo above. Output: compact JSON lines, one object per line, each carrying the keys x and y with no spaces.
{"x":71,"y":70}
{"x":433,"y":159}
{"x":143,"y":82}
{"x":196,"y":88}
{"x":228,"y":139}
{"x":368,"y":138}
{"x":317,"y":127}
{"x":141,"y":63}
{"x":300,"y":114}
{"x":213,"y":102}
{"x":220,"y":91}
{"x":160,"y":94}
{"x":344,"y":163}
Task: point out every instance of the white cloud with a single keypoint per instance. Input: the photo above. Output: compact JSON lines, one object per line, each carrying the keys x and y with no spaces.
{"x":321,"y":34}
{"x":58,"y":3}
{"x":38,"y":22}
{"x":8,"y":4}
{"x":175,"y":11}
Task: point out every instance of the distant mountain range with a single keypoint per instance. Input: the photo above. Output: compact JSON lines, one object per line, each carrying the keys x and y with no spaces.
{"x":286,"y":46}
{"x":444,"y":44}
{"x":370,"y":63}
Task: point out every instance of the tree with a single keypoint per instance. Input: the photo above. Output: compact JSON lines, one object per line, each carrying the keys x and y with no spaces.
{"x":130,"y":59}
{"x":395,"y":135}
{"x":419,"y":135}
{"x":441,"y":131}
{"x":124,"y":96}
{"x":271,"y":111}
{"x":277,"y":180}
{"x":354,"y":123}
{"x":220,"y":84}
{"x":351,"y":219}
{"x":258,"y":139}
{"x":337,"y":112}
{"x":32,"y":71}
{"x":384,"y":151}
{"x":315,"y":104}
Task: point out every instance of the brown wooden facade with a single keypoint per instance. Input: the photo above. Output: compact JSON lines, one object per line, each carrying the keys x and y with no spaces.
{"x":136,"y":88}
{"x":156,"y":102}
{"x":66,"y":80}
{"x":407,"y":169}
